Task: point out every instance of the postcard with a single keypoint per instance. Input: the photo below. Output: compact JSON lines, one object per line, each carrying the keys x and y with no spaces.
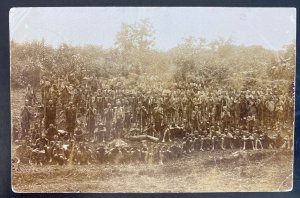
{"x":152,"y":99}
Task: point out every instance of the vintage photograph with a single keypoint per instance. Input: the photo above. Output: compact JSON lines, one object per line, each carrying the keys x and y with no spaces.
{"x":152,"y":99}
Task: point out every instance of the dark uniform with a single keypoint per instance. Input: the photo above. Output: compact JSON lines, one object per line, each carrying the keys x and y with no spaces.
{"x":90,"y":120}
{"x":50,"y":114}
{"x":26,"y":116}
{"x":71,"y":119}
{"x":51,"y":132}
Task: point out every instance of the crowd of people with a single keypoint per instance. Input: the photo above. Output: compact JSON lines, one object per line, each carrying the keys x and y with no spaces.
{"x":80,"y":109}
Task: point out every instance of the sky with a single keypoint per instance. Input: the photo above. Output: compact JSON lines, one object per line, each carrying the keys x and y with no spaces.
{"x":270,"y":27}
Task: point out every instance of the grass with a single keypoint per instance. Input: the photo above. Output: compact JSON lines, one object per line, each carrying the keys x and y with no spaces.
{"x":215,"y":171}
{"x":190,"y":174}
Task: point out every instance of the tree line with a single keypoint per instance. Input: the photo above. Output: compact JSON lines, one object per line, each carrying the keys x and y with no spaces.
{"x":216,"y":62}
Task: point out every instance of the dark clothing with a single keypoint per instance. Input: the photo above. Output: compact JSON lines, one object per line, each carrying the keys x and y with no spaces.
{"x":127,"y":117}
{"x":26,"y":116}
{"x":50,"y":133}
{"x":77,"y":99}
{"x":91,"y":121}
{"x":78,"y":135}
{"x":50,"y":115}
{"x":65,"y":96}
{"x":42,"y":142}
{"x":71,"y":120}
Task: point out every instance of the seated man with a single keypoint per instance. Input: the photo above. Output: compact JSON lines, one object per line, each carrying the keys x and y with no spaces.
{"x":40,"y":154}
{"x":215,"y":139}
{"x":78,"y":134}
{"x":228,"y":139}
{"x":58,"y":154}
{"x":278,"y":140}
{"x":135,"y":130}
{"x":206,"y":141}
{"x":62,"y":135}
{"x":100,"y":133}
{"x":197,"y":142}
{"x":257,"y":139}
{"x":248,"y":140}
{"x":236,"y":139}
{"x":42,"y":141}
{"x":151,"y":130}
{"x":35,"y":131}
{"x":51,"y":132}
{"x":288,"y":142}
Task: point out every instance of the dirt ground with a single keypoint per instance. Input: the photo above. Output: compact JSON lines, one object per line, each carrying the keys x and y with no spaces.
{"x":210,"y":171}
{"x":196,"y":173}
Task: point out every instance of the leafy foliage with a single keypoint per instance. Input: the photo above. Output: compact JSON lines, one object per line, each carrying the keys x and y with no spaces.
{"x":213,"y":63}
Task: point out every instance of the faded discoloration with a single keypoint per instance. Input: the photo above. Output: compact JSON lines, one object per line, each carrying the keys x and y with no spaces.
{"x":196,"y":173}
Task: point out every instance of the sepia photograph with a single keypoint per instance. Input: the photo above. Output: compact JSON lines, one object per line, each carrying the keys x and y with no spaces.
{"x":152,"y":99}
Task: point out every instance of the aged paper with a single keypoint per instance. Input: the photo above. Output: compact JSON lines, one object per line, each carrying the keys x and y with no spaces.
{"x":153,"y":99}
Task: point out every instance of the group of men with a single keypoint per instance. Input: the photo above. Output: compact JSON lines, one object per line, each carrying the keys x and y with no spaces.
{"x":87,"y":108}
{"x":173,"y":146}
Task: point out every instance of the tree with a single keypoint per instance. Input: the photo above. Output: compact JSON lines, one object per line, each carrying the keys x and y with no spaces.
{"x":135,"y":42}
{"x":27,"y":61}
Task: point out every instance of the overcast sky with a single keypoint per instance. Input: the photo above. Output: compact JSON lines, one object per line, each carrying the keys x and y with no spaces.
{"x":269,"y":27}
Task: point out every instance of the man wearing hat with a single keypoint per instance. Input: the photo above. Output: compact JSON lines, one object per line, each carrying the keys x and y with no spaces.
{"x":26,"y":117}
{"x":70,"y":119}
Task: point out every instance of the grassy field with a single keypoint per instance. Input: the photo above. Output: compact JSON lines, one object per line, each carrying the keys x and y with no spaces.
{"x":216,"y":171}
{"x":196,"y":173}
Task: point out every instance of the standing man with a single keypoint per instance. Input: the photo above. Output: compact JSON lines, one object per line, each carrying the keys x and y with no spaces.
{"x":226,"y":117}
{"x":26,"y":116}
{"x":119,"y":118}
{"x":50,"y":114}
{"x":127,"y":115}
{"x":108,"y":115}
{"x":64,"y":96}
{"x":77,"y":98}
{"x":158,"y":117}
{"x":141,"y":115}
{"x":70,"y":119}
{"x":30,"y":95}
{"x":196,"y":118}
{"x":90,"y":121}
